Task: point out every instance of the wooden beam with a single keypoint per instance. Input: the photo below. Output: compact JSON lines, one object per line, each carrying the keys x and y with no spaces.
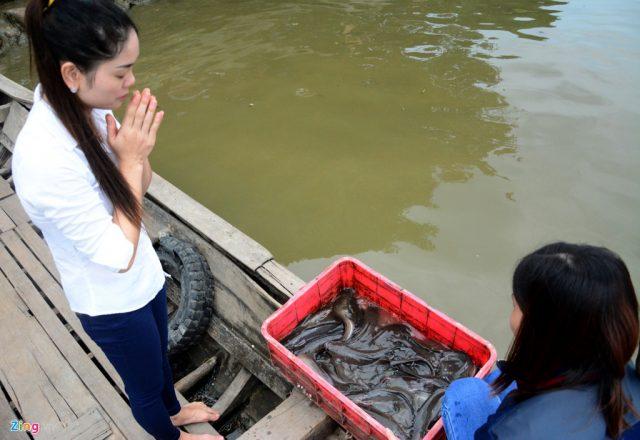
{"x":217,"y":231}
{"x":89,"y":426}
{"x":234,"y":393}
{"x":39,"y":248}
{"x":15,"y":91}
{"x":279,"y":278}
{"x":12,"y":207}
{"x":195,"y":428}
{"x":5,"y":163}
{"x":7,"y":416}
{"x":248,"y":356}
{"x":4,"y":111}
{"x":297,"y":418}
{"x":13,"y":124}
{"x":187,"y":382}
{"x":5,"y":222}
{"x":5,"y":188}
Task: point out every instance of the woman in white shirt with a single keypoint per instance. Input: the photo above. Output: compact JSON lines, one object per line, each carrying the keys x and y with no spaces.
{"x":81,"y":178}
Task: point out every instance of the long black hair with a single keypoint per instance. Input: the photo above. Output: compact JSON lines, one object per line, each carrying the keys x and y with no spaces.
{"x":579,"y":326}
{"x":86,"y":33}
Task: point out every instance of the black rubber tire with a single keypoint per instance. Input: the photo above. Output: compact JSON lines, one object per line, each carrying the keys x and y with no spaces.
{"x":190,"y":269}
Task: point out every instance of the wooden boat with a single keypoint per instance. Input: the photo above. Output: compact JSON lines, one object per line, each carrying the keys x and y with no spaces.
{"x":61,"y":380}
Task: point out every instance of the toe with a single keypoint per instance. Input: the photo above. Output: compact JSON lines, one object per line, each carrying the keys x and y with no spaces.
{"x":212,"y":416}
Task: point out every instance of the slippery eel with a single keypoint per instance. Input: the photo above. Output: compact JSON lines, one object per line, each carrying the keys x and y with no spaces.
{"x":307,"y":359}
{"x":314,"y":332}
{"x":389,"y":369}
{"x":391,"y":405}
{"x":346,"y":309}
{"x":427,"y":413}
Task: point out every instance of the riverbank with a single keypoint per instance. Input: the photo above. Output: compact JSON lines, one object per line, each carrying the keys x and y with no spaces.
{"x":12,"y":21}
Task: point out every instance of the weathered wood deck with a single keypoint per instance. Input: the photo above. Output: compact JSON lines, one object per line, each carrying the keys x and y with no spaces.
{"x":51,"y":372}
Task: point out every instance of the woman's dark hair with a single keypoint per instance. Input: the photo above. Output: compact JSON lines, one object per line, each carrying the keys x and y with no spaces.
{"x":579,"y":326}
{"x":86,"y":33}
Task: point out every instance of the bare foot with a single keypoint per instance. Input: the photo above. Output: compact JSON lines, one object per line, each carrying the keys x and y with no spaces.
{"x":187,"y":436}
{"x":194,"y":412}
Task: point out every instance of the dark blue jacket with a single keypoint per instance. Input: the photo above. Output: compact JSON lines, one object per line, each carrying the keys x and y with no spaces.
{"x":563,"y":414}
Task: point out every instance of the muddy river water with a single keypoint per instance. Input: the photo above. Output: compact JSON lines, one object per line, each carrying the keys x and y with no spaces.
{"x":437,"y":141}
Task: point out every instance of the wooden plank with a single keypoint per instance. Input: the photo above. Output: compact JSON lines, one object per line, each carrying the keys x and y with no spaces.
{"x":16,"y":91}
{"x":41,"y":383}
{"x":195,"y":428}
{"x":234,"y":393}
{"x":297,"y":418}
{"x":273,"y":285}
{"x":217,"y":231}
{"x":5,"y":222}
{"x":187,"y":382}
{"x":248,"y":356}
{"x":5,"y":162}
{"x":54,"y":293}
{"x":5,"y":188}
{"x":39,"y":247}
{"x":13,"y":124}
{"x":285,"y":282}
{"x":4,"y":111}
{"x":245,"y":313}
{"x":12,"y":207}
{"x":6,"y":148}
{"x":6,"y":417}
{"x":21,"y":368}
{"x":113,"y":404}
{"x":89,"y":426}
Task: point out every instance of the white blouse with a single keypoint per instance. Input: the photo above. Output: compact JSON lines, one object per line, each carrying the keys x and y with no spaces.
{"x":62,"y":197}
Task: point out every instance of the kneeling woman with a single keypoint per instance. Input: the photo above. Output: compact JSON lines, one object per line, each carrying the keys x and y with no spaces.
{"x":567,"y":374}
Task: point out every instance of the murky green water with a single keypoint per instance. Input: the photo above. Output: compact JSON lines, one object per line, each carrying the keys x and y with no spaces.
{"x":438,"y":141}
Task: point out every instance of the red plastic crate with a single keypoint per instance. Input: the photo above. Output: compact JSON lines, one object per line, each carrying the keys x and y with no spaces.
{"x":349,"y":272}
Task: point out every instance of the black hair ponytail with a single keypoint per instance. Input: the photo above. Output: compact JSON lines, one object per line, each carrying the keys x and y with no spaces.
{"x":86,"y":33}
{"x":579,"y":326}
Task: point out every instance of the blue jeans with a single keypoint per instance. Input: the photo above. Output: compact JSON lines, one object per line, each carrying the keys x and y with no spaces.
{"x":467,"y":405}
{"x":136,"y":344}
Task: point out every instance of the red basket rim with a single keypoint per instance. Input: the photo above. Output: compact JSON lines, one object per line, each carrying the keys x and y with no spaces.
{"x":276,"y":345}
